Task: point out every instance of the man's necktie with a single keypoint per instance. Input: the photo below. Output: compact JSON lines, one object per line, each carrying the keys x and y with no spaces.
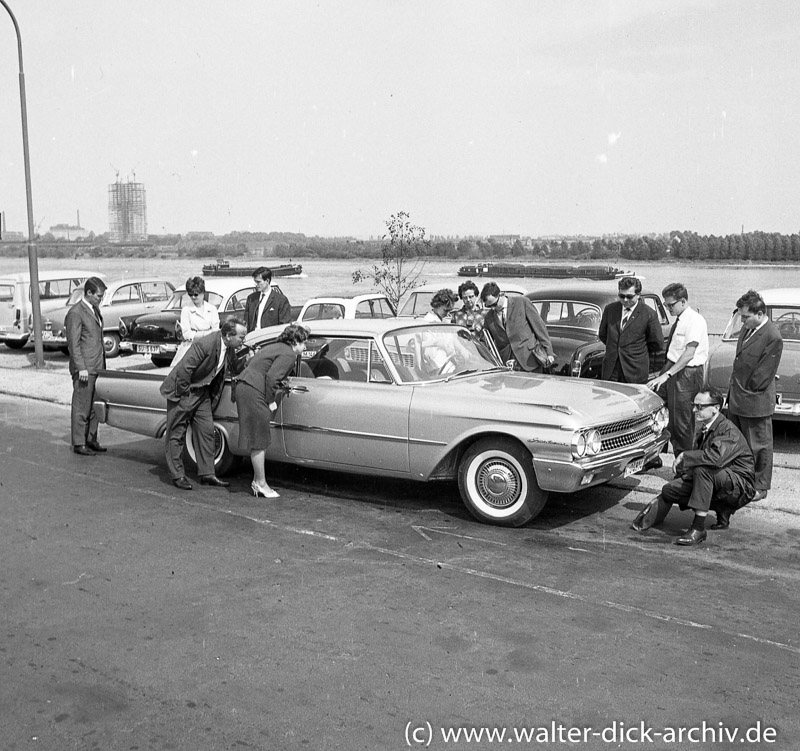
{"x":626,"y":316}
{"x":671,"y":334}
{"x":98,"y":315}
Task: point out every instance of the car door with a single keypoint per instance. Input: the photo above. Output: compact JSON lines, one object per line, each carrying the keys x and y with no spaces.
{"x":356,"y":417}
{"x":235,"y":304}
{"x":125,"y":300}
{"x":654,"y":302}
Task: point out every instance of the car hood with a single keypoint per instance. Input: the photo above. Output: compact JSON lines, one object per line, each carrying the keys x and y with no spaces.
{"x":155,"y":327}
{"x":568,"y":401}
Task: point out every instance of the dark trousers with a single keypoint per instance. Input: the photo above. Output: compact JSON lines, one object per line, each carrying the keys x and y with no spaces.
{"x":83,"y":418}
{"x":681,"y":391}
{"x":704,"y":488}
{"x":192,"y":409}
{"x":616,"y":374}
{"x":757,"y":431}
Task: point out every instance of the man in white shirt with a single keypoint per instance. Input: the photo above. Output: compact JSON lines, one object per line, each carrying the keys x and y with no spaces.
{"x":682,"y":374}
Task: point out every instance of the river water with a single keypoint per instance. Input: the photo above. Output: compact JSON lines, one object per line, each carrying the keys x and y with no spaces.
{"x":713,"y":289}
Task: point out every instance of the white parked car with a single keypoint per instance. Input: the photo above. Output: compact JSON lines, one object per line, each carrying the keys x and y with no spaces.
{"x":370,"y":305}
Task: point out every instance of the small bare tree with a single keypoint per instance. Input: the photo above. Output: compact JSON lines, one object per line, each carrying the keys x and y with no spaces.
{"x":403,"y":259}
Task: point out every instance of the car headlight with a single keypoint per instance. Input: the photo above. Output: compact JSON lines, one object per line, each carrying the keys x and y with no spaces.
{"x":178,"y":331}
{"x":586,"y":443}
{"x":576,"y":368}
{"x":123,"y":328}
{"x":659,"y":420}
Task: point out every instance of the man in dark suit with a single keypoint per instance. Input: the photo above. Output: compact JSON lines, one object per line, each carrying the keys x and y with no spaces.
{"x":84,"y":325}
{"x":266,"y":306}
{"x":716,"y":474}
{"x":631,"y":331}
{"x":518,"y":330}
{"x":751,"y":396}
{"x":193,"y":388}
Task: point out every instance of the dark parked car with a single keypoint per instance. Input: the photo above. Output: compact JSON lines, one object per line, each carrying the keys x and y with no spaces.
{"x":158,"y":334}
{"x":572,"y":315}
{"x":783,"y":308}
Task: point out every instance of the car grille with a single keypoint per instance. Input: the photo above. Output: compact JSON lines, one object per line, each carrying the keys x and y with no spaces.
{"x":617,"y":435}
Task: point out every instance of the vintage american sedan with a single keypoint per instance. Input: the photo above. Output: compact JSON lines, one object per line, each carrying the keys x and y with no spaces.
{"x":783,"y":308}
{"x":424,"y":402}
{"x":572,"y":315}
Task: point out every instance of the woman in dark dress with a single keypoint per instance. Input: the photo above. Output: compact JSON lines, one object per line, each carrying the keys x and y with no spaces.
{"x":256,"y":398}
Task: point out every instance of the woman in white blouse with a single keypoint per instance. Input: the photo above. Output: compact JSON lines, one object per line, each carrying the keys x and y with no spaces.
{"x":198,"y":316}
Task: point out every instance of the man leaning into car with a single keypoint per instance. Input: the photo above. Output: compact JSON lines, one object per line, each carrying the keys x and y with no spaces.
{"x":631,"y":331}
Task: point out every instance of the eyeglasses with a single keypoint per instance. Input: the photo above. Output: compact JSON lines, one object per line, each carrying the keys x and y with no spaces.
{"x":627,"y":297}
{"x":670,"y":304}
{"x":696,"y":407}
{"x":198,"y":294}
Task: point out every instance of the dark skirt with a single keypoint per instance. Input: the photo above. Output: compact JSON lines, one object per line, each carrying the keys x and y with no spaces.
{"x":254,"y":417}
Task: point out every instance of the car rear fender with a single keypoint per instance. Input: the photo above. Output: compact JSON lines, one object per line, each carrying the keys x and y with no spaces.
{"x":131,"y":401}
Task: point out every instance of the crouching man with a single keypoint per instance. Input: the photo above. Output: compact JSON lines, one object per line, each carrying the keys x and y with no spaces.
{"x":717,"y":473}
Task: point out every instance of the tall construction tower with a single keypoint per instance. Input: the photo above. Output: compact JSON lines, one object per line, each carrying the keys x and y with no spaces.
{"x":127,"y":211}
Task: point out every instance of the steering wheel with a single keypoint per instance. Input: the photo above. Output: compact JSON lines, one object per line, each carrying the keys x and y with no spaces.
{"x":449,"y":361}
{"x":587,"y":317}
{"x":789,"y":324}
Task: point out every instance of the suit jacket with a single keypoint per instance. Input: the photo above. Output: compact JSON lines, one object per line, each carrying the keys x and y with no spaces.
{"x":276,"y":310}
{"x":84,"y":339}
{"x":196,"y":369}
{"x":633,"y":345}
{"x":524,"y":327}
{"x":752,"y":386}
{"x":723,"y":446}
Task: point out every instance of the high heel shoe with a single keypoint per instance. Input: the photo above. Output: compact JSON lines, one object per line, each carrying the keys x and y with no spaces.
{"x":265,"y":492}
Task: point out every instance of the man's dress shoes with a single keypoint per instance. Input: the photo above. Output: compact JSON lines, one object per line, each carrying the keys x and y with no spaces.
{"x":83,"y":450}
{"x":215,"y":481}
{"x":692,"y":537}
{"x":182,"y":483}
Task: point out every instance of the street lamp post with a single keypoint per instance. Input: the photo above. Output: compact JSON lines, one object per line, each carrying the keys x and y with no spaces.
{"x":33,"y":261}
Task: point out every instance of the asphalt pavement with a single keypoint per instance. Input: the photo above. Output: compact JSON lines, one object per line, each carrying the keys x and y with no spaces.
{"x":359,"y":613}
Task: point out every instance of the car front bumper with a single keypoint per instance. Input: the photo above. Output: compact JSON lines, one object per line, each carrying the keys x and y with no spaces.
{"x":149,"y":348}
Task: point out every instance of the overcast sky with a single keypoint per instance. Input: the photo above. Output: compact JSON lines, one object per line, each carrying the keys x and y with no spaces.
{"x":531,"y":117}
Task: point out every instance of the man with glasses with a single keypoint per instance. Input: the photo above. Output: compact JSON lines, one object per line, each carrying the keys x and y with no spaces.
{"x":193,"y":389}
{"x":716,"y":473}
{"x":518,"y":331}
{"x":631,"y":331}
{"x":751,"y":395}
{"x":682,"y":375}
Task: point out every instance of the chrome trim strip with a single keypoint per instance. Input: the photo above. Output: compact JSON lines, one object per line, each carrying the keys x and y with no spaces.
{"x":160,"y":410}
{"x":359,"y":434}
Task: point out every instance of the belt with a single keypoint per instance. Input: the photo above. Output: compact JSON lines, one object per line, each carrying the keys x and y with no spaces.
{"x":685,"y":367}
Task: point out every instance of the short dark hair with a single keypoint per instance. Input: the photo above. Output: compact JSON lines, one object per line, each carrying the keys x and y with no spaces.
{"x":676,"y":290}
{"x":752,"y":301}
{"x":195,"y":285}
{"x":263,"y":273}
{"x":443,"y":298}
{"x":714,"y":394}
{"x":490,"y":289}
{"x":229,"y":325}
{"x":293,"y":334}
{"x":94,"y":284}
{"x":626,"y":282}
{"x":464,"y":286}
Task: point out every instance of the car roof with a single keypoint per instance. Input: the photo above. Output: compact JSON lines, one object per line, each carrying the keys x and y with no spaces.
{"x":226,"y":284}
{"x":366,"y":327}
{"x":135,"y":280}
{"x":788,"y":296}
{"x":48,"y":276}
{"x":346,"y":298}
{"x":596,"y":293}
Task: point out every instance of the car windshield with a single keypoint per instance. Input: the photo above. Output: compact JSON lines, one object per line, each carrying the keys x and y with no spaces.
{"x":176,"y":302}
{"x":434,"y":352}
{"x":785,"y":318}
{"x":573,"y":313}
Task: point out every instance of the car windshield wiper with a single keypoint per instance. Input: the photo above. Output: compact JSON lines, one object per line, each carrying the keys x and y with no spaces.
{"x":462,"y":373}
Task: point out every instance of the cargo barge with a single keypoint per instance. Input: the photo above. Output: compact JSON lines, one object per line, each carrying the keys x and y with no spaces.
{"x":223,"y":268}
{"x":543,"y":271}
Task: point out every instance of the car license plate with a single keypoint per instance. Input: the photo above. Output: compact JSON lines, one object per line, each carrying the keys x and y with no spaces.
{"x":147,"y":349}
{"x":634,"y":467}
{"x":47,"y":334}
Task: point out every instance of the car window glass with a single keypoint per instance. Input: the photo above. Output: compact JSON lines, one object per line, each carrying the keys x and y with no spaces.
{"x":54,"y":289}
{"x":364,"y":309}
{"x":6,"y":292}
{"x":125,"y":295}
{"x":338,"y":358}
{"x":378,"y":372}
{"x":435,"y":352}
{"x":76,"y":296}
{"x":237,"y":300}
{"x":654,"y":303}
{"x":383,"y":309}
{"x":788,"y":322}
{"x":155,"y":291}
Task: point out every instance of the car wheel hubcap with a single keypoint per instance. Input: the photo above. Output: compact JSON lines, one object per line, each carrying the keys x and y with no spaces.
{"x":498,"y":484}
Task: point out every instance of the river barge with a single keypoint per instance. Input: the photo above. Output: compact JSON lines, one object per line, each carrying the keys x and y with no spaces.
{"x":221,"y":267}
{"x":543,"y":271}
